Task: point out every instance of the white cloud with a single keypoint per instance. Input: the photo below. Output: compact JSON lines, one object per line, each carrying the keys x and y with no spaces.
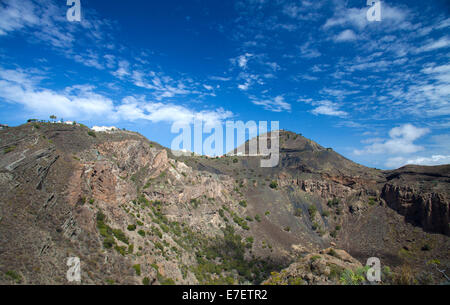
{"x":123,"y":70}
{"x":432,"y":45}
{"x":242,"y":60}
{"x":397,"y":162}
{"x":15,"y":15}
{"x":325,"y":107}
{"x":82,"y":103}
{"x":308,"y":52}
{"x":401,"y":141}
{"x":276,"y":104}
{"x":347,"y":35}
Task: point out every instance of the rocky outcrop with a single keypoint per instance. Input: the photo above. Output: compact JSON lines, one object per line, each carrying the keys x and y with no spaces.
{"x":426,"y":209}
{"x":321,"y":268}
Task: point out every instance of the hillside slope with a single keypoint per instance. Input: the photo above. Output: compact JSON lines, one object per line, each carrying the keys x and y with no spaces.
{"x":133,"y":213}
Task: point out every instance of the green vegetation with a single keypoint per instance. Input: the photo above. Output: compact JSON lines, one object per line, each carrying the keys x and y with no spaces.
{"x":243,"y":203}
{"x":121,"y":249}
{"x":258,"y":218}
{"x":357,"y":277}
{"x":131,"y":227}
{"x":142,"y":233}
{"x":120,"y":235}
{"x":146,"y":281}
{"x":273,"y":185}
{"x":9,"y":149}
{"x":241,"y":222}
{"x":195,"y":203}
{"x":229,"y":252}
{"x":372,"y":200}
{"x":298,"y":212}
{"x":333,"y":203}
{"x":92,"y":133}
{"x":137,"y":268}
{"x":14,"y":276}
{"x":426,"y":247}
{"x":109,"y":233}
{"x":312,"y":210}
{"x":332,"y":252}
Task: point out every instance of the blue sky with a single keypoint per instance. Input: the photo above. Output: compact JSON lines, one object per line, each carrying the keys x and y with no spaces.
{"x":377,"y":92}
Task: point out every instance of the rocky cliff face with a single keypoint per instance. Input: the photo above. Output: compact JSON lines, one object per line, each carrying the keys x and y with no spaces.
{"x":423,"y":202}
{"x":133,"y":213}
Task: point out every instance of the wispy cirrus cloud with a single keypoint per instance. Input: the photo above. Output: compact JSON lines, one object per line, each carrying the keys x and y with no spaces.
{"x":276,"y":104}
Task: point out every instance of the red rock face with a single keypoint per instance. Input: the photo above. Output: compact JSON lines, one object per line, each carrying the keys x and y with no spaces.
{"x":426,"y":209}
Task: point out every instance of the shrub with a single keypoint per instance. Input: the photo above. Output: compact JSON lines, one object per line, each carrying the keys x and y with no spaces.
{"x":243,"y":203}
{"x":100,"y":216}
{"x":334,"y":202}
{"x":92,"y":133}
{"x":348,"y":277}
{"x":121,"y":249}
{"x":109,"y":242}
{"x":273,"y":185}
{"x":9,"y":149}
{"x":120,"y":235}
{"x":405,"y":276}
{"x":426,"y":247}
{"x":325,"y":214}
{"x":267,"y":213}
{"x":332,"y":252}
{"x":287,"y":229}
{"x":14,"y":276}
{"x":142,"y":233}
{"x":164,"y":281}
{"x":298,"y":212}
{"x":137,"y":268}
{"x":312,"y":210}
{"x":258,"y":218}
{"x":131,"y":227}
{"x":146,"y":281}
